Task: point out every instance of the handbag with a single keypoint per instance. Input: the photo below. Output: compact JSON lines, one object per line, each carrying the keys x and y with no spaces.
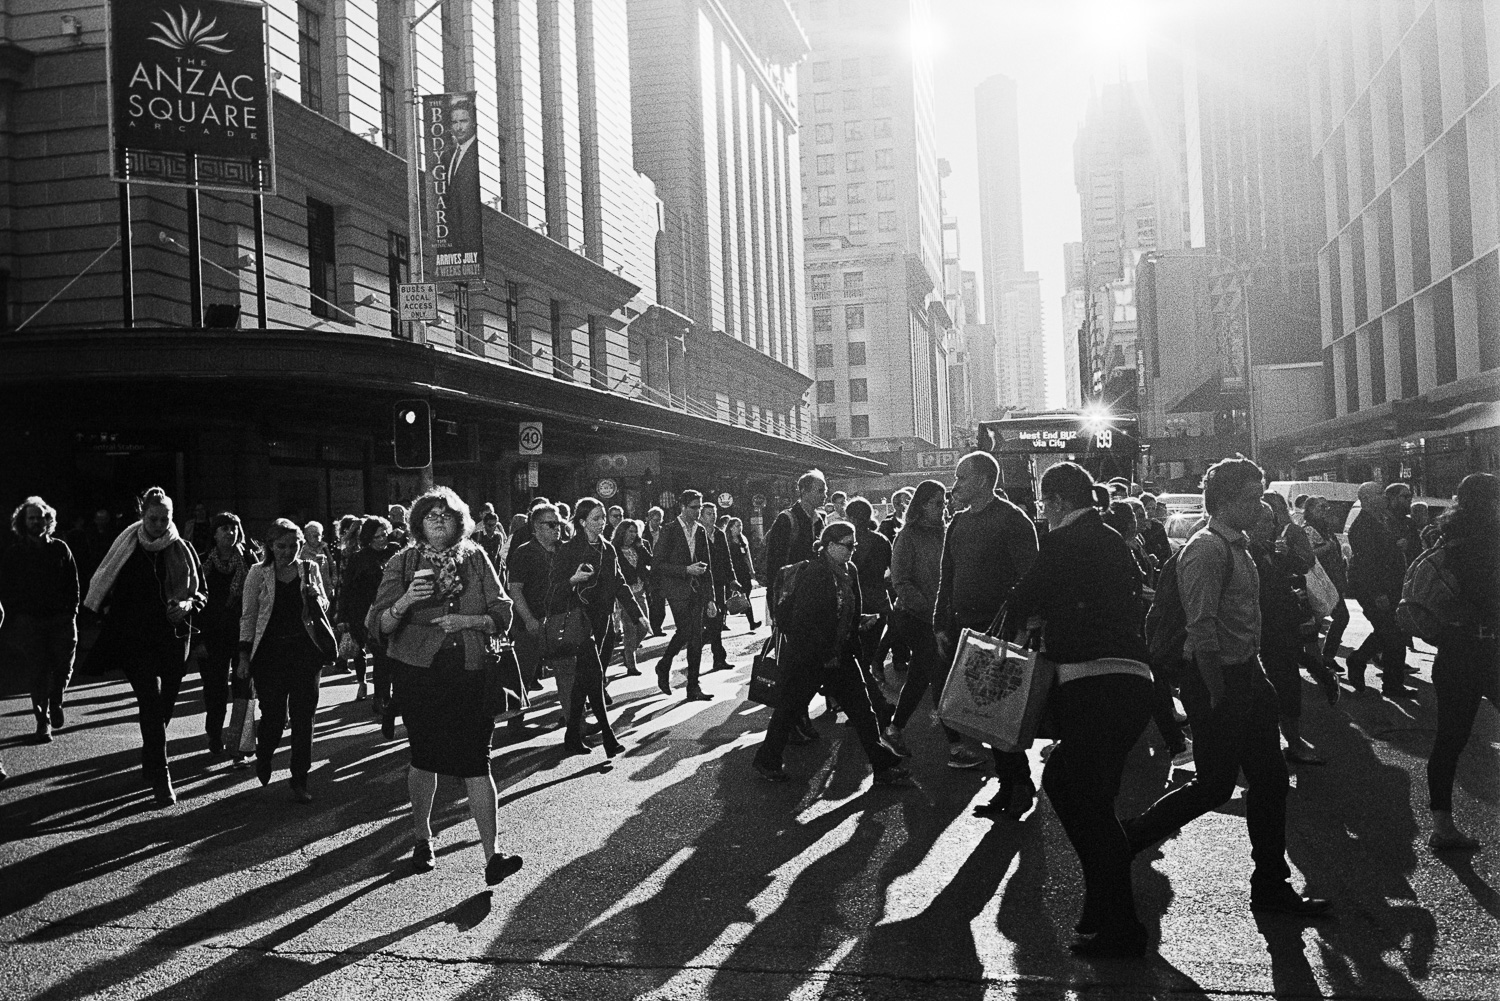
{"x":564,"y":632}
{"x":318,"y":626}
{"x":504,"y":690}
{"x":996,"y":691}
{"x":1322,"y":593}
{"x":767,"y":672}
{"x":737,"y":603}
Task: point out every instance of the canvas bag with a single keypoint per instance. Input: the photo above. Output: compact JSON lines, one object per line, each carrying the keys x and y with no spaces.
{"x":767,"y":672}
{"x":1322,"y":594}
{"x":996,"y":691}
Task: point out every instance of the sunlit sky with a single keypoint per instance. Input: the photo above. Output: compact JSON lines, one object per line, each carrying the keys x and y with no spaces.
{"x":1056,"y":51}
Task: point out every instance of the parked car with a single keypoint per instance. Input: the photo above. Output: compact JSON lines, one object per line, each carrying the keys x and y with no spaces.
{"x":1181,"y":526}
{"x":1181,"y":502}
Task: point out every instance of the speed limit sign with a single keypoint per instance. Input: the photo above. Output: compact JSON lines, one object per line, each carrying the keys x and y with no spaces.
{"x":531,"y":438}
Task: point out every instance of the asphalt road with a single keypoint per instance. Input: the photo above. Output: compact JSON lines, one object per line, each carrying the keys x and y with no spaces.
{"x":676,"y":873}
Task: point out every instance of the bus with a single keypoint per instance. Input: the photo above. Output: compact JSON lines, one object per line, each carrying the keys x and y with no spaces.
{"x":1027,"y":446}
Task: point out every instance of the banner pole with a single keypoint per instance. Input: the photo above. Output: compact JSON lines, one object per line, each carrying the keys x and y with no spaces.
{"x":259,"y":213}
{"x":127,"y":263}
{"x":195,"y":245}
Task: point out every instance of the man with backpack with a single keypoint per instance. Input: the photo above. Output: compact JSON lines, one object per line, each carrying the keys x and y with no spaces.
{"x":794,"y":532}
{"x":1229,"y":700}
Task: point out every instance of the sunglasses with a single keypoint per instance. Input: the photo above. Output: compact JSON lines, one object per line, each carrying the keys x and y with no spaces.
{"x":548,"y":524}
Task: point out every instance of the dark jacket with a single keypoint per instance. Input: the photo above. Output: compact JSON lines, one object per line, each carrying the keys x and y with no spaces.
{"x":642,"y":569}
{"x":889,"y":526}
{"x":1086,"y":585}
{"x":873,"y":560}
{"x":723,"y":565}
{"x":811,"y":622}
{"x":791,"y":539}
{"x":744,"y":568}
{"x":38,"y":578}
{"x":671,"y":558}
{"x":1281,"y":611}
{"x":1377,"y":567}
{"x":984,"y":554}
{"x":598,"y":594}
{"x":1157,"y":544}
{"x":361,"y":582}
{"x":1474,"y":560}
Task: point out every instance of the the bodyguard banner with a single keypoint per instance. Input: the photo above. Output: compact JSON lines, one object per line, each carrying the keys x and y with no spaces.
{"x":455,"y":224}
{"x":190,"y":97}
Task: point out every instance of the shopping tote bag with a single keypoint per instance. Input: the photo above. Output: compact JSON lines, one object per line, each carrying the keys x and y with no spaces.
{"x":996,"y":691}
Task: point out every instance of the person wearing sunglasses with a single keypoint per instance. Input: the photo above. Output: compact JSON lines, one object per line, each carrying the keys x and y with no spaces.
{"x":820,"y":614}
{"x":533,"y":571}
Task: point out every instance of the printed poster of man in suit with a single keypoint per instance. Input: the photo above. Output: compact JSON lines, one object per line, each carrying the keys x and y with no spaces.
{"x":458,"y":227}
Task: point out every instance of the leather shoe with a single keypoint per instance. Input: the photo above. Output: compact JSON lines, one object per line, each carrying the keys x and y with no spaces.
{"x":576,"y":747}
{"x":43,"y":731}
{"x":698,"y":695}
{"x":58,"y":719}
{"x":663,"y":681}
{"x":300,"y":793}
{"x":1127,"y":943}
{"x":263,"y":770}
{"x":613,"y":748}
{"x":1451,"y":843}
{"x":771,"y":773}
{"x":1292,"y":903}
{"x":500,"y":866}
{"x":388,"y":727}
{"x":422,"y":857}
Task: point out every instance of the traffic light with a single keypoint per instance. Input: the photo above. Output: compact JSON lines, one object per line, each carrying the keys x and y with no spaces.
{"x":411,"y":431}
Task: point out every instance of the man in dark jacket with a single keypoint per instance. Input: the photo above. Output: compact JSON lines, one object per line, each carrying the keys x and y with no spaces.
{"x":792,"y":535}
{"x":989,"y":545}
{"x":723,"y":571}
{"x":39,"y":585}
{"x":1376,"y":572}
{"x":683,"y":563}
{"x":1154,"y":534}
{"x":656,"y":605}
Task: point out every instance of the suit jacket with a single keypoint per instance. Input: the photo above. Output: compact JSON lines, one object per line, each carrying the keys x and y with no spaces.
{"x":723,"y":565}
{"x":464,"y":227}
{"x":671,"y":558}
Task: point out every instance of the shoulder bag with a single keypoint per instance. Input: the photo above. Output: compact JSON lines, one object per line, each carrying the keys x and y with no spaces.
{"x":315,"y":619}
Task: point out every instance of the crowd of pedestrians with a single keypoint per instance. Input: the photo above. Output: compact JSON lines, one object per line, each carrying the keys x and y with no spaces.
{"x":871,"y":613}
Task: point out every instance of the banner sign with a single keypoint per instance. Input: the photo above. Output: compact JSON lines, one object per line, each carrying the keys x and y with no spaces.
{"x":418,"y":301}
{"x":457,"y":227}
{"x":189,"y":94}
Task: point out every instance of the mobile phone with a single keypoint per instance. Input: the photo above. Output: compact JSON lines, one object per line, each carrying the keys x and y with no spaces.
{"x":586,"y":567}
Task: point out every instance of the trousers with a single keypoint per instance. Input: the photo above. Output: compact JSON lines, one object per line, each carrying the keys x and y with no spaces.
{"x":1238,"y":734}
{"x":156,"y":700}
{"x":216,"y":672}
{"x":687,"y":634}
{"x":845,"y":682}
{"x":1388,"y":642}
{"x":925,"y":668}
{"x":1465,"y":672}
{"x":47,"y":644}
{"x":287,"y":683}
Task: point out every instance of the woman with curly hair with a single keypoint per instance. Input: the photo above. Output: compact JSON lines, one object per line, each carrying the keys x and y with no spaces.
{"x":439,"y":603}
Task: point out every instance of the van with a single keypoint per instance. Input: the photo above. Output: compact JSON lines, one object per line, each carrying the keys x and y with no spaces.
{"x":1341,"y":497}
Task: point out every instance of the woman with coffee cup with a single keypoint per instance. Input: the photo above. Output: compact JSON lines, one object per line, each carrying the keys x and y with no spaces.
{"x":598,"y":583}
{"x":439,"y":603}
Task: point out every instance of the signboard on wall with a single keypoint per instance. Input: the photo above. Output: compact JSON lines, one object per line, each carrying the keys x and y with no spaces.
{"x":189,"y":94}
{"x":456,"y":223}
{"x":530,"y":439}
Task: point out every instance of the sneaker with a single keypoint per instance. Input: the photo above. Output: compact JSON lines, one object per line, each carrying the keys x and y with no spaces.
{"x":771,"y":773}
{"x":963,"y":757}
{"x":422,"y":857}
{"x":895,"y":742}
{"x":893,"y":776}
{"x":499,"y":867}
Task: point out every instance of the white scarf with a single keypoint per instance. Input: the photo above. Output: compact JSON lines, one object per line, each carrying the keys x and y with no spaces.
{"x":121,"y":550}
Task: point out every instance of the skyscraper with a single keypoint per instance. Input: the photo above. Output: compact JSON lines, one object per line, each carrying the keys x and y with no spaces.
{"x":873,"y":226}
{"x":1012,"y":295}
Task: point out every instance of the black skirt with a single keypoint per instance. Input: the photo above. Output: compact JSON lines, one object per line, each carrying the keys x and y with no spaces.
{"x":447,"y":728}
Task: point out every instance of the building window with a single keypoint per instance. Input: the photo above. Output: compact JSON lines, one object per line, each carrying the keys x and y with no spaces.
{"x":821,"y":72}
{"x":886,"y":222}
{"x":851,"y":100}
{"x":598,"y":353}
{"x":822,"y":283}
{"x":828,"y":194}
{"x":822,"y":319}
{"x":854,"y":281}
{"x":855,"y":193}
{"x":884,"y":159}
{"x":390,"y":105}
{"x":859,"y":222}
{"x":850,"y":69}
{"x":859,"y":391}
{"x":854,"y":161}
{"x":310,"y":57}
{"x":828,"y":428}
{"x":461,"y":314}
{"x":885,"y":191}
{"x":825,"y":164}
{"x":880,"y":97}
{"x":882,"y":128}
{"x":322,"y":272}
{"x":825,"y":390}
{"x":854,"y":130}
{"x":828,"y":225}
{"x":513,"y":322}
{"x":823,"y":355}
{"x":859,"y":426}
{"x":397,"y":268}
{"x":559,"y":359}
{"x":856,"y":352}
{"x":823,"y":102}
{"x":823,"y":134}
{"x":854,"y":317}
